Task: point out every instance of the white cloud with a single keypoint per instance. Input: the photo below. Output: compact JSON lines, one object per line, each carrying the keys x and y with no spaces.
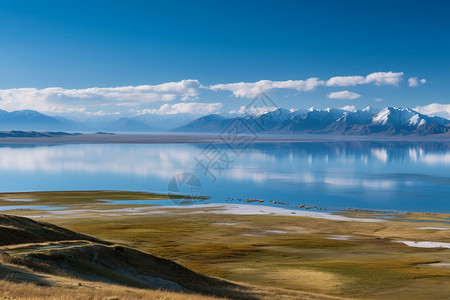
{"x":389,"y":78}
{"x":435,"y":109}
{"x":254,"y":89}
{"x":184,"y":108}
{"x":344,"y":95}
{"x":101,"y":113}
{"x":414,"y":81}
{"x":378,"y":99}
{"x":348,"y":107}
{"x":61,"y":100}
{"x":345,"y":80}
{"x":378,"y":78}
{"x":255,"y":110}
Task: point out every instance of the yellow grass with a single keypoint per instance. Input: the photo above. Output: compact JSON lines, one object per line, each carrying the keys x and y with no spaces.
{"x":371,"y":265}
{"x":86,"y":290}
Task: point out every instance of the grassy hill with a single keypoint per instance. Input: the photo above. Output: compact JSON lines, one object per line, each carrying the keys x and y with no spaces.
{"x":41,"y":260}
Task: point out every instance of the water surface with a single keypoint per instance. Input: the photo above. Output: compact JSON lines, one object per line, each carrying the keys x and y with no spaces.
{"x":404,"y":176}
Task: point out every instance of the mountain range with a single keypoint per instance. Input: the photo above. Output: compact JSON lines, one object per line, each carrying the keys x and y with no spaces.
{"x":369,"y":121}
{"x":30,"y":120}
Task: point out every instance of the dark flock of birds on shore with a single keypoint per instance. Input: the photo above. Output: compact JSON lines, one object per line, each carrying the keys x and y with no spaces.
{"x":251,"y":200}
{"x":302,"y":206}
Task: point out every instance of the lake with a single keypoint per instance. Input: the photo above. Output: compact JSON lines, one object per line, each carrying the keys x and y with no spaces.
{"x":403,"y":176}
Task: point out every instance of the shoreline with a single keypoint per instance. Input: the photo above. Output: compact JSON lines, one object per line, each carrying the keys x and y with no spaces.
{"x":100,"y":210}
{"x":214,"y":208}
{"x":118,"y":200}
{"x":50,"y":138}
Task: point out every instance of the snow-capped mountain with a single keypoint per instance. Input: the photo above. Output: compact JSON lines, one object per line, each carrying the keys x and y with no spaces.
{"x":268,"y":120}
{"x":312,"y":120}
{"x":371,"y":110}
{"x":389,"y":121}
{"x":398,"y":117}
{"x":350,"y":122}
{"x":279,"y":115}
{"x":405,"y":120}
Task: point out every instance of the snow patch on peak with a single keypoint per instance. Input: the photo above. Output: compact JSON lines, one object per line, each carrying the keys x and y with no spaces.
{"x":372,"y":110}
{"x":414,"y":120}
{"x":382,"y":116}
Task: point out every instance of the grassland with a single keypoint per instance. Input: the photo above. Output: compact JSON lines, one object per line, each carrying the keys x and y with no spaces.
{"x":297,"y":254}
{"x":303,"y":257}
{"x":87,"y":290}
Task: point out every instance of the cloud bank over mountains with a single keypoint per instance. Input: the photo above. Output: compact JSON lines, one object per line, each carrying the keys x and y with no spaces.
{"x":144,"y":99}
{"x":184,"y":108}
{"x":58,"y":100}
{"x":435,"y":109}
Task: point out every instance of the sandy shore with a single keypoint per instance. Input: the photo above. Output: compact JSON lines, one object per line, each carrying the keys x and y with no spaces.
{"x":216,"y":208}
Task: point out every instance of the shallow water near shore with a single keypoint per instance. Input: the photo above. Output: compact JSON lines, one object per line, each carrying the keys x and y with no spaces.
{"x":399,"y":176}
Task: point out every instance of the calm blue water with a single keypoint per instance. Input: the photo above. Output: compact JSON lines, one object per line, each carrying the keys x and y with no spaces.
{"x":368,"y":175}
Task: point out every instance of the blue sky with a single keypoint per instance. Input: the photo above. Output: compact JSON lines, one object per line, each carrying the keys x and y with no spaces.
{"x":74,"y":46}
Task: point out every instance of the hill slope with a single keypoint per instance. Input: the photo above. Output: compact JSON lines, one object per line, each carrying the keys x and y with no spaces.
{"x":66,"y":261}
{"x":49,"y":249}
